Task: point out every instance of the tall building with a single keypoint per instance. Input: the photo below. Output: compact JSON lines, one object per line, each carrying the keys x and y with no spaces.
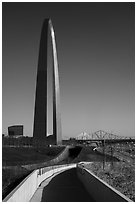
{"x":40,"y":115}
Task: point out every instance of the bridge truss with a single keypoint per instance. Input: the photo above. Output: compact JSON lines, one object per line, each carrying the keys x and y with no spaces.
{"x":100,"y":135}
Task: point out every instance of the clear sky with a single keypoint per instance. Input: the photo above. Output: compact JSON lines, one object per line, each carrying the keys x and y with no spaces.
{"x":95,"y":44}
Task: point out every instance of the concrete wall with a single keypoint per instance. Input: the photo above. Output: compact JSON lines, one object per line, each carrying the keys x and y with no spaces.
{"x":53,"y":171}
{"x":25,"y":190}
{"x":63,"y":155}
{"x":98,"y":189}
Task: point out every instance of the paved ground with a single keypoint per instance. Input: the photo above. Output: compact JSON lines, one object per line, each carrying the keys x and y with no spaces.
{"x":65,"y":187}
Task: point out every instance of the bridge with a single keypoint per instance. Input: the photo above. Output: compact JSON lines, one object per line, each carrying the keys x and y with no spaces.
{"x":101,"y":137}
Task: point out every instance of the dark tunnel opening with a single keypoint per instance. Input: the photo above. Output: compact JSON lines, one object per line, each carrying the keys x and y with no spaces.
{"x":74,"y":152}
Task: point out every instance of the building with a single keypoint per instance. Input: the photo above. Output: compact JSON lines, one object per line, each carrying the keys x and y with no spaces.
{"x":15,"y":130}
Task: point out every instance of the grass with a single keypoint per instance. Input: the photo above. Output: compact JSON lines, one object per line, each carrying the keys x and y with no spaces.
{"x":118,"y":171}
{"x":11,"y":177}
{"x":12,"y":159}
{"x":88,"y":154}
{"x":18,"y":155}
{"x":120,"y":175}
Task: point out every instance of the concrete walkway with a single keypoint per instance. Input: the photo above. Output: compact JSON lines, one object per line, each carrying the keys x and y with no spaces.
{"x":64,"y":187}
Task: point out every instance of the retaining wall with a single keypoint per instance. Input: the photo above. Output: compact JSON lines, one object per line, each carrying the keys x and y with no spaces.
{"x":98,"y":189}
{"x":25,"y":190}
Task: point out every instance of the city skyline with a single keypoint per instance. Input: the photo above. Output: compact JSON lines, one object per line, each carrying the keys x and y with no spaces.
{"x":95,"y":45}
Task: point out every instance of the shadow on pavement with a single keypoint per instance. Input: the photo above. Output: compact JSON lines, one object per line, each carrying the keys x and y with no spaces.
{"x":66,"y":187}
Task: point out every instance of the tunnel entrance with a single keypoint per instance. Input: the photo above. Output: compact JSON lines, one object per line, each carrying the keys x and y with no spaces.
{"x":74,"y":152}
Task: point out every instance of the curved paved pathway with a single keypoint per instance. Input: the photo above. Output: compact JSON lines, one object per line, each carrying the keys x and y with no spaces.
{"x":65,"y":187}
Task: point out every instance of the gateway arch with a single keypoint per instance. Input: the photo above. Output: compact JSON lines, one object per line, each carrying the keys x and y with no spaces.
{"x":40,"y":113}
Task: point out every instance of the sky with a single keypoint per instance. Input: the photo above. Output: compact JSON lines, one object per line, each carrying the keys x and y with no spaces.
{"x":95,"y":47}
